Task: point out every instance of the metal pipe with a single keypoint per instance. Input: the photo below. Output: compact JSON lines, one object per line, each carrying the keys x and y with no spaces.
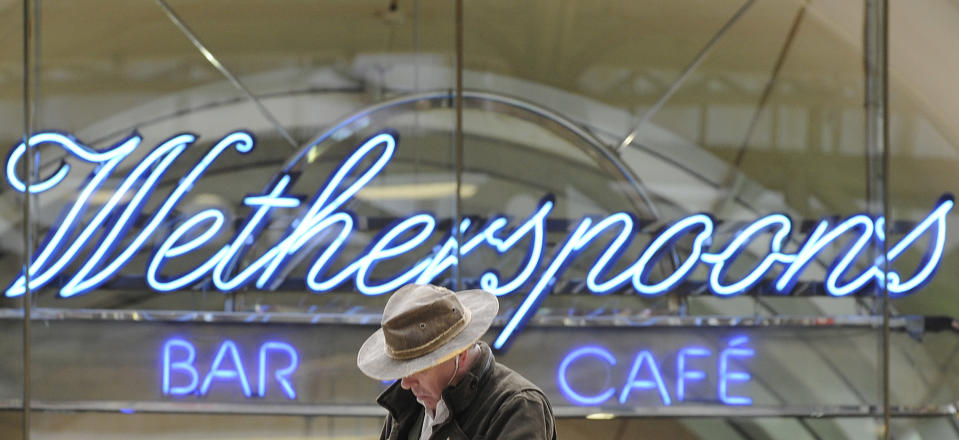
{"x":767,"y":91}
{"x":556,"y":318}
{"x":704,"y":411}
{"x":683,"y":76}
{"x":458,"y":147}
{"x":29,"y":45}
{"x":875,"y":43}
{"x":226,"y":72}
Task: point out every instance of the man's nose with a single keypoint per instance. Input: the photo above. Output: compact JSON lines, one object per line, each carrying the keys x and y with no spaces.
{"x":406,"y":382}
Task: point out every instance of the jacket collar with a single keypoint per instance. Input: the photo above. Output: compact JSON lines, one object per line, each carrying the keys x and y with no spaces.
{"x":402,"y":403}
{"x":459,"y":397}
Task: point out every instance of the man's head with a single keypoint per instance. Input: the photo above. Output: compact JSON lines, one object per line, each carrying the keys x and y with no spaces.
{"x":428,"y":385}
{"x":423,"y":330}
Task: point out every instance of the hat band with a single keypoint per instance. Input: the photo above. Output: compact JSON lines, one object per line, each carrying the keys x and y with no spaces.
{"x":432,"y":344}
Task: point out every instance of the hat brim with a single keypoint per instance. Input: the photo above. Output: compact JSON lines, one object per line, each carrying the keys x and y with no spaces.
{"x":375,"y":363}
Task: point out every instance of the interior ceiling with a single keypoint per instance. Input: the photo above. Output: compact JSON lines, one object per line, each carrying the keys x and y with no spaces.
{"x":86,"y":42}
{"x":622,"y":53}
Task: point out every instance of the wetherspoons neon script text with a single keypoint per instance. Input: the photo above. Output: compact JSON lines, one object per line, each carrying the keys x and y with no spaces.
{"x":696,"y":370}
{"x":325,"y":219}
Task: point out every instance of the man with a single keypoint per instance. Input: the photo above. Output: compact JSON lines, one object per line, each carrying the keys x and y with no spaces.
{"x":450,"y":386}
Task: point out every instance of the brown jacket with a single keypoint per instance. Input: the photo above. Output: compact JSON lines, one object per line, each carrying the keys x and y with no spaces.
{"x":490,"y":402}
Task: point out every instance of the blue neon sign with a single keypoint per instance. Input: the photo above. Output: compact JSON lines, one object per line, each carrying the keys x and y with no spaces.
{"x":325,"y":215}
{"x":180,"y":372}
{"x":723,"y":377}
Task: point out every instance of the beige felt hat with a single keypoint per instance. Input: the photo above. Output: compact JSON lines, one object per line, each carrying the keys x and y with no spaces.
{"x":422,"y":326}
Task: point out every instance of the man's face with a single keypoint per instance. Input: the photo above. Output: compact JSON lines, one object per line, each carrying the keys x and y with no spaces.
{"x":428,"y":385}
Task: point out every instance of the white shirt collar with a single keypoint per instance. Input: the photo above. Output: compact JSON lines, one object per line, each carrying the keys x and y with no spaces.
{"x":432,"y":420}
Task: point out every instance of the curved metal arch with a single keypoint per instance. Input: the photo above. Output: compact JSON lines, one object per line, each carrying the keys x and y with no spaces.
{"x":605,"y":156}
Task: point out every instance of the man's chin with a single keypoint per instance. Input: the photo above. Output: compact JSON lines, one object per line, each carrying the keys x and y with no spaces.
{"x":429,"y":404}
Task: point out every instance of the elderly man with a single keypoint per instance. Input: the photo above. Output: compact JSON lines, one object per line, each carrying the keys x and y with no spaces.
{"x":429,"y":339}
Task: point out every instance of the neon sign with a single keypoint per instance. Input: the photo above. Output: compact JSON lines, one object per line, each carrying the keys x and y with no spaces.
{"x":325,"y":216}
{"x":645,"y":374}
{"x":180,"y":375}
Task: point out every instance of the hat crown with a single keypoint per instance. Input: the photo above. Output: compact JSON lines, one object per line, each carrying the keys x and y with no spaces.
{"x":420,"y":318}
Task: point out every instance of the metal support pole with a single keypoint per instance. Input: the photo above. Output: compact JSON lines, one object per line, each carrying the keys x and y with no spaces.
{"x":875,"y":43}
{"x":459,"y":140}
{"x":29,"y":45}
{"x":683,"y":76}
{"x":233,"y":79}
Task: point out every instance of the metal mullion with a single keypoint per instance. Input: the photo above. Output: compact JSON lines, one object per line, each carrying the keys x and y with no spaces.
{"x":875,"y":43}
{"x":458,"y":142}
{"x":29,"y":82}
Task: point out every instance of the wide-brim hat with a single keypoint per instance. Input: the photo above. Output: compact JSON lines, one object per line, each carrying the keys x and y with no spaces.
{"x":423,"y":326}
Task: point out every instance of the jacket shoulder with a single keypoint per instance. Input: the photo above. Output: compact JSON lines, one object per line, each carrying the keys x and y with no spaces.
{"x":509,"y":381}
{"x":505,"y":387}
{"x":518,"y":409}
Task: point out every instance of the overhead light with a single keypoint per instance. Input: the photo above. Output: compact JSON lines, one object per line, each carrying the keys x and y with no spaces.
{"x":434,"y":190}
{"x":601,"y":416}
{"x":102,"y":197}
{"x":312,"y":154}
